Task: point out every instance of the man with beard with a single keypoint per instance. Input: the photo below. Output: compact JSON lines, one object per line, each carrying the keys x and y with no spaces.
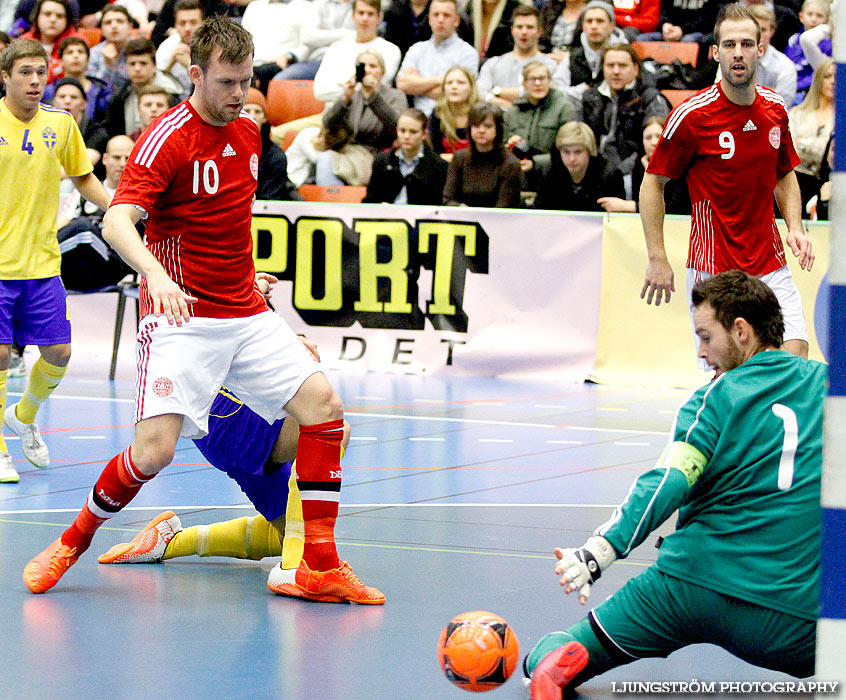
{"x":743,"y":468}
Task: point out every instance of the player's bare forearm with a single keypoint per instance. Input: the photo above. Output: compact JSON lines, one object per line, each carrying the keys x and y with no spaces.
{"x":658,"y":282}
{"x":167,"y":297}
{"x":91,"y":188}
{"x":789,"y":199}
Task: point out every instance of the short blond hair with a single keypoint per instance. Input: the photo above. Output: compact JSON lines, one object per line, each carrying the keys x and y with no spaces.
{"x":763,"y":14}
{"x":532,"y":65}
{"x":576,"y":134}
{"x":819,"y":3}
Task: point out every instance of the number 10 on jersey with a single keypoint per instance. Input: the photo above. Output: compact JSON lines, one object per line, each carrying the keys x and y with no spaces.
{"x":211,"y":178}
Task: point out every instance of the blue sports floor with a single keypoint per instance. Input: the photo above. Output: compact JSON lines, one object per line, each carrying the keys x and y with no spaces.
{"x":455,"y":493}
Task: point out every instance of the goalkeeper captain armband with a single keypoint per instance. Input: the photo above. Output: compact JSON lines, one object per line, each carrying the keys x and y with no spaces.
{"x":686,"y":458}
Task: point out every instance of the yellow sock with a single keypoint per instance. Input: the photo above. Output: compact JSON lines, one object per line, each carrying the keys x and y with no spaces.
{"x":3,"y":447}
{"x":292,"y":547}
{"x":243,"y":538}
{"x":43,"y":378}
{"x":248,"y":537}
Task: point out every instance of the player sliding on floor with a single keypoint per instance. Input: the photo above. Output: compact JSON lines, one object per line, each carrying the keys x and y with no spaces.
{"x":743,"y":469}
{"x":259,"y":457}
{"x":193,"y":175}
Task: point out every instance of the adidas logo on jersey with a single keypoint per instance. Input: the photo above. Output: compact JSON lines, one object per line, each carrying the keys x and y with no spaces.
{"x":3,"y":142}
{"x":749,"y":126}
{"x":228,"y":151}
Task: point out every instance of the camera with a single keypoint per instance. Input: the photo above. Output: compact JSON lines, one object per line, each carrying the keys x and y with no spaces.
{"x":359,"y":72}
{"x":522,"y":150}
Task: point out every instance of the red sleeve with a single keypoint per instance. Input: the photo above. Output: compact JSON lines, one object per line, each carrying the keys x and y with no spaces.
{"x":643,"y":17}
{"x":149,"y":171}
{"x":675,"y":148}
{"x":787,"y":157}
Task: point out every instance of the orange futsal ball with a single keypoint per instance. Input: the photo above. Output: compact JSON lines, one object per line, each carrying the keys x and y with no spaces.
{"x":478,"y":651}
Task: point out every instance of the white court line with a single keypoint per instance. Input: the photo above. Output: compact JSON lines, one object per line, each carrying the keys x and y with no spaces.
{"x":424,"y":439}
{"x":611,"y":408}
{"x":548,"y":405}
{"x":473,"y":421}
{"x":371,"y":398}
{"x":487,"y":403}
{"x":398,"y":416}
{"x":101,"y":399}
{"x":358,"y":437}
{"x":88,"y":437}
{"x":39,"y":511}
{"x":564,"y":442}
{"x":494,"y":440}
{"x":429,"y":401}
{"x":634,"y":444}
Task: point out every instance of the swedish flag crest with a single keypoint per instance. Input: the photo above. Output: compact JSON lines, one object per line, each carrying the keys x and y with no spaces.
{"x":49,"y":137}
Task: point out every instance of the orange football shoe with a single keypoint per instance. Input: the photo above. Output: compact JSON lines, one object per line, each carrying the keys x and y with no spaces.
{"x":557,"y":669}
{"x":333,"y":586}
{"x":149,"y":545}
{"x":45,"y":570}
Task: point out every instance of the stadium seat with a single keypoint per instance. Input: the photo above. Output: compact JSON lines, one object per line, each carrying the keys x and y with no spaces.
{"x":92,"y":35}
{"x":291,"y":99}
{"x":667,"y":51}
{"x":676,"y":97}
{"x":316,"y":193}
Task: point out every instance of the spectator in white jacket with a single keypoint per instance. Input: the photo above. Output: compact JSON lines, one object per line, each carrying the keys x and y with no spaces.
{"x":277,"y":30}
{"x":339,"y":62}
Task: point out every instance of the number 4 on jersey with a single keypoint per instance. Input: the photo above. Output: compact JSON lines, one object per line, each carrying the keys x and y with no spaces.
{"x":27,"y":146}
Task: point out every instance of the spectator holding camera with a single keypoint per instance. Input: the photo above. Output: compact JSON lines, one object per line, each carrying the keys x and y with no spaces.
{"x":365,"y":116}
{"x":339,"y":59}
{"x":486,"y":174}
{"x":574,"y":179}
{"x":532,"y":123}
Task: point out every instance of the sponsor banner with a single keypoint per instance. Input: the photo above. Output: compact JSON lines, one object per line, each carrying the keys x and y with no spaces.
{"x":453,"y":290}
{"x":649,"y":345}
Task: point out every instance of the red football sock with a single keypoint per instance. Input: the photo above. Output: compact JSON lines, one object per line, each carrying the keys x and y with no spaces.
{"x":319,"y":481}
{"x":117,"y":486}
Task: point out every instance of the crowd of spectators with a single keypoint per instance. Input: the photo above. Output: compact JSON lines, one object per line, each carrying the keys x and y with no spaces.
{"x":499,"y":103}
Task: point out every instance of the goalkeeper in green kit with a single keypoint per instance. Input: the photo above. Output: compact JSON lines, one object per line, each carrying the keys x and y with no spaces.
{"x":743,"y":469}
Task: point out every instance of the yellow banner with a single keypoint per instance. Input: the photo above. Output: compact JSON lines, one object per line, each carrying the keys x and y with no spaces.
{"x":654,"y":345}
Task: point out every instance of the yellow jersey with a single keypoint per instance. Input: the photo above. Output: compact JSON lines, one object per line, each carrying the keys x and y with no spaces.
{"x":31,"y":157}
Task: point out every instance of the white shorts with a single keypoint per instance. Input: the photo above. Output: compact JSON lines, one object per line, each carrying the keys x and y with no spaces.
{"x":181,"y":368}
{"x":782,"y":284}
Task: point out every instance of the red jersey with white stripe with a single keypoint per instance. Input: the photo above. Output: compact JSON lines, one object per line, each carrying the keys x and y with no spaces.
{"x":196,"y":184}
{"x":732,"y":156}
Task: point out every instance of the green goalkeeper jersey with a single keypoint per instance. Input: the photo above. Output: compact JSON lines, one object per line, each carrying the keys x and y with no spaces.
{"x":748,"y":493}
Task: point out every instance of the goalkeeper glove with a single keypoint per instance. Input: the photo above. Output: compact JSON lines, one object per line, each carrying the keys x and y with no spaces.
{"x":579,"y":568}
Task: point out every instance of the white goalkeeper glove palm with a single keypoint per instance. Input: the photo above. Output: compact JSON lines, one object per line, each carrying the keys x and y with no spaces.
{"x":579,"y":568}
